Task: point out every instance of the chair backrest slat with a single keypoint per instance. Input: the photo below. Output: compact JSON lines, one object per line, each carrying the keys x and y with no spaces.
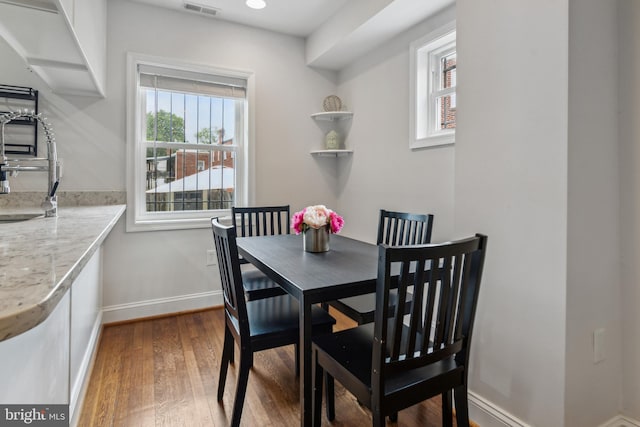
{"x":444,"y":302}
{"x":401,"y":228}
{"x":416,"y":326}
{"x":432,"y":289}
{"x":224,"y":238}
{"x":261,"y":220}
{"x":397,"y":319}
{"x":445,"y":280}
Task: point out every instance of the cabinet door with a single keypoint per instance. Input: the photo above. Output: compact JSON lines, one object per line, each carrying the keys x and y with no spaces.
{"x":34,"y":366}
{"x":86,"y":302}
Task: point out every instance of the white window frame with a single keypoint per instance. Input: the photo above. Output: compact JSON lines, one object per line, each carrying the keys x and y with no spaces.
{"x":424,"y":117}
{"x":138,"y":219}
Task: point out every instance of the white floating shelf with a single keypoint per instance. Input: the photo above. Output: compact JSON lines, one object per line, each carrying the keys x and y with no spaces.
{"x":332,"y":115}
{"x":331,"y":153}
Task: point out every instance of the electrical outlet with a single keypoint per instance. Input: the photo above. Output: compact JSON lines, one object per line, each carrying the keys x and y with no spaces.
{"x":212,"y":259}
{"x":598,"y":345}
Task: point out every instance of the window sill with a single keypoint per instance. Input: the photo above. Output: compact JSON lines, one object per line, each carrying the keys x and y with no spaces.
{"x":166,"y":224}
{"x":448,"y":138}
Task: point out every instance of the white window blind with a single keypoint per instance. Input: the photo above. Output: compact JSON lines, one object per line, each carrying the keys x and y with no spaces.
{"x":191,"y":82}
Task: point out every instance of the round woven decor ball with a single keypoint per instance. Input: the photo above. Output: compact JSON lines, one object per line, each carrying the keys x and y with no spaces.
{"x":332,"y":103}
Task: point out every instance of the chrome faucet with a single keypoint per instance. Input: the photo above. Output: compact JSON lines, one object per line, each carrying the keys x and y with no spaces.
{"x":13,"y":166}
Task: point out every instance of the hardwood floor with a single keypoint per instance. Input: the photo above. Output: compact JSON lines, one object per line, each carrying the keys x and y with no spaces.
{"x":164,"y":372}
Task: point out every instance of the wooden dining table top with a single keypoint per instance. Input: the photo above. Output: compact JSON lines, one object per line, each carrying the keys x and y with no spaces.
{"x":350,"y":267}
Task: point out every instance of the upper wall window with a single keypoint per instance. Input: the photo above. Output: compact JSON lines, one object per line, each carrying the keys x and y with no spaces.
{"x":187,"y":157}
{"x":433,"y":89}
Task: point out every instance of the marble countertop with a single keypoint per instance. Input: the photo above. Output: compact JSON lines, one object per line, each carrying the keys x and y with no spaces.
{"x":41,"y":257}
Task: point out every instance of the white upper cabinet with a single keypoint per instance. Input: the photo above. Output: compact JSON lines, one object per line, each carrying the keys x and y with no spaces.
{"x":63,"y":41}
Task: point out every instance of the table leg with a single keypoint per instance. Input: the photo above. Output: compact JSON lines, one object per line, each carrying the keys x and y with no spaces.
{"x":306,"y":392}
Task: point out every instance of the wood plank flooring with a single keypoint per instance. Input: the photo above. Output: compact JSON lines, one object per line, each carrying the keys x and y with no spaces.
{"x":164,"y":372}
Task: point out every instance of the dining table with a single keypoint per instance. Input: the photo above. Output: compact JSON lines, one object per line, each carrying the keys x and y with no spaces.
{"x":348,"y":268}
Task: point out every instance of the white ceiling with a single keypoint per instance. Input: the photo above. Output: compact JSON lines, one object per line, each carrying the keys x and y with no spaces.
{"x":295,"y":17}
{"x":336,"y":31}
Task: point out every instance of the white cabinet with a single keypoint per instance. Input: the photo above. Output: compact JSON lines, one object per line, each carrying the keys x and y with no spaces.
{"x":89,"y":23}
{"x":49,"y":364}
{"x":34,"y":366}
{"x":337,"y":122}
{"x":63,"y":41}
{"x":86,"y":320}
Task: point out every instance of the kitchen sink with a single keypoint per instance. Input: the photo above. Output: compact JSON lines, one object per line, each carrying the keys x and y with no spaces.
{"x":6,"y":218}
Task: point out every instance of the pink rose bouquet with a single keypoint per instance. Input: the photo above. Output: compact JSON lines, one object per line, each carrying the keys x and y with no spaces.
{"x":315,"y":217}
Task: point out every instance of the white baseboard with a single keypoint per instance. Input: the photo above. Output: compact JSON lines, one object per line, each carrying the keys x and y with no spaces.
{"x":621,"y":421}
{"x":159,"y":306}
{"x":487,"y":414}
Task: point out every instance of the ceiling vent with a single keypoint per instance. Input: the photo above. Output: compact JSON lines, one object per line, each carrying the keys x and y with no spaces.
{"x":203,"y":10}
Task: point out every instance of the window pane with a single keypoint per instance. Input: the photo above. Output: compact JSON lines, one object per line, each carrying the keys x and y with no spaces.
{"x":191,"y":118}
{"x":165,"y":120}
{"x":216,"y":118}
{"x":189,"y":180}
{"x":447,"y":104}
{"x":204,"y":120}
{"x":446,"y":107}
{"x":177,"y":117}
{"x":448,"y":64}
{"x":150,"y":96}
{"x":229,"y":121}
{"x":221,"y":194}
{"x":160,"y":170}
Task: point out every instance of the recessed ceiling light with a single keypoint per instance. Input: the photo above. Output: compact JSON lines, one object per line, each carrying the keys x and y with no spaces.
{"x":256,"y":4}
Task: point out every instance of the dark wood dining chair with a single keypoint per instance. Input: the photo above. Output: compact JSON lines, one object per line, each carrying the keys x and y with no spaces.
{"x":397,"y":362}
{"x":254,"y":325}
{"x":260,"y":221}
{"x":394,"y":229}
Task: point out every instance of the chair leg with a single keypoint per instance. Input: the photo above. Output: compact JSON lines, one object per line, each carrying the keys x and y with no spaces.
{"x":227,"y":354}
{"x":330,"y":397}
{"x":296,"y":350}
{"x":462,"y":406}
{"x":378,"y":418}
{"x":317,"y":392}
{"x":447,"y":414}
{"x":241,"y":388}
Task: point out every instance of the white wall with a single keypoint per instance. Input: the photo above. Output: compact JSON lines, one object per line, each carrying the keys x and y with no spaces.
{"x":145,"y":267}
{"x":172,"y":264}
{"x":629,"y":92}
{"x":593,"y":261}
{"x":511,"y":184}
{"x":383,"y":172}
